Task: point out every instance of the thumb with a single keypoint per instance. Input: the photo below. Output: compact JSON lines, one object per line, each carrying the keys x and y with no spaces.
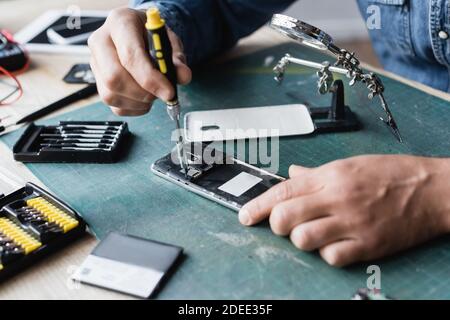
{"x":184,"y":73}
{"x":295,"y":171}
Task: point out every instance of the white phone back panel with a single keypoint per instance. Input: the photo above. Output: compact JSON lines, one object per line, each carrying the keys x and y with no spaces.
{"x":248,"y":123}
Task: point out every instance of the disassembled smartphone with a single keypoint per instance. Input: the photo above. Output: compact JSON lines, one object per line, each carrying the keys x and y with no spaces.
{"x":216,"y":176}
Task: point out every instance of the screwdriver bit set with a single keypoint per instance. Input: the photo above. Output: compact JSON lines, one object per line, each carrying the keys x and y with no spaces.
{"x":72,"y":141}
{"x":34,"y":223}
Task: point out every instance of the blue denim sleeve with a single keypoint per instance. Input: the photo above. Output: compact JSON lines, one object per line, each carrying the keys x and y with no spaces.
{"x":208,"y":27}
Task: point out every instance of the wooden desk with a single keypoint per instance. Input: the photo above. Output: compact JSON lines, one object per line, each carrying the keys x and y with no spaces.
{"x":50,"y":278}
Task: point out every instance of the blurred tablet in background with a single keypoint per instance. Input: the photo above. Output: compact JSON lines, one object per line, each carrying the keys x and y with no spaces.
{"x":61,"y":34}
{"x":57,"y":31}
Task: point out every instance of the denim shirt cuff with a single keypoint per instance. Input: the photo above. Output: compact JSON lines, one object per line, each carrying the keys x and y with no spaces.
{"x":174,"y":20}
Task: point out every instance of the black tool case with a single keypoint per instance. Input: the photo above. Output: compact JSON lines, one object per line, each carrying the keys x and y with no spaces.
{"x":49,"y":239}
{"x":28,"y":147}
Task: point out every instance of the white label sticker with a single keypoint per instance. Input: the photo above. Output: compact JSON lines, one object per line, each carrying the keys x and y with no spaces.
{"x":240,"y":184}
{"x":119,"y":276}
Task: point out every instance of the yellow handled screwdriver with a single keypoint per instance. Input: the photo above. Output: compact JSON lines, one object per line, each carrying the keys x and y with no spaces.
{"x":161,"y":54}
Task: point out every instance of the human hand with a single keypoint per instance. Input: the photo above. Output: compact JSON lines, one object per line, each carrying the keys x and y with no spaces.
{"x":360,"y":208}
{"x":126,"y":78}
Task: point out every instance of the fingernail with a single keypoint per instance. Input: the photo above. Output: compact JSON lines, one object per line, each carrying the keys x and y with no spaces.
{"x":163,"y":93}
{"x":182,"y":58}
{"x":166,"y":94}
{"x":244,"y":217}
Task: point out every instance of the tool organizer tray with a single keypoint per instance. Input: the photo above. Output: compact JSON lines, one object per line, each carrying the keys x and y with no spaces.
{"x":73,"y":142}
{"x":34,"y":223}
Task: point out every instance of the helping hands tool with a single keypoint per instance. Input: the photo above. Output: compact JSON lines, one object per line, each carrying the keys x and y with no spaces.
{"x":161,"y":54}
{"x":346,"y":63}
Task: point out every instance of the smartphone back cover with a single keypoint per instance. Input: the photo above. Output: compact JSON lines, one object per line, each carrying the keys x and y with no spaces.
{"x":248,"y":123}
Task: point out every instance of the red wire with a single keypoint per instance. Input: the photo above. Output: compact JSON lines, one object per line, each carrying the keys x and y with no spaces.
{"x":8,"y":35}
{"x":10,"y":38}
{"x":19,"y":86}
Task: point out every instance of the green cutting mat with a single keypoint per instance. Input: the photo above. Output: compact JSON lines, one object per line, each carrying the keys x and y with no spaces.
{"x":224,"y":259}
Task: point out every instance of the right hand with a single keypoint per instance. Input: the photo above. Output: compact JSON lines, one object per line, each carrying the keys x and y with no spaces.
{"x":126,"y":78}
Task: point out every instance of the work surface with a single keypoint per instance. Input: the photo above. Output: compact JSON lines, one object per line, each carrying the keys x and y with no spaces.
{"x":224,"y":259}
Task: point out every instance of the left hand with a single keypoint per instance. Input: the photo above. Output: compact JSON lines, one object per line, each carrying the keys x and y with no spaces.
{"x":360,"y":208}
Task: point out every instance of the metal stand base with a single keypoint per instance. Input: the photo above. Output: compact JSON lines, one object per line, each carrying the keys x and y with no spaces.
{"x":336,"y":118}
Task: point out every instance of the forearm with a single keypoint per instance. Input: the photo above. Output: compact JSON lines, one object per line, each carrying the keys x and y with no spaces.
{"x":208,"y":27}
{"x":439,"y":189}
